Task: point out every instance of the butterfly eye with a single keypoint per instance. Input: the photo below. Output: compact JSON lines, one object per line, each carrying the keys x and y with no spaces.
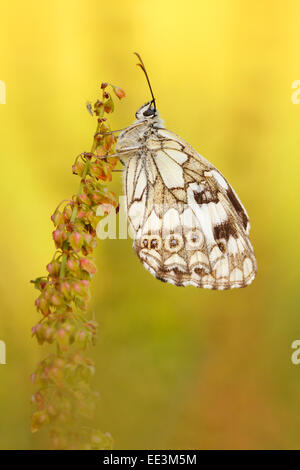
{"x":149,"y":112}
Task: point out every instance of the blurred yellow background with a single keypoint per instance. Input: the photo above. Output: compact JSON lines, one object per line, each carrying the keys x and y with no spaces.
{"x":176,"y":368}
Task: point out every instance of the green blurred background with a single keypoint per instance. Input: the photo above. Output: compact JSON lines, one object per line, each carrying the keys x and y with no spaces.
{"x":176,"y":367}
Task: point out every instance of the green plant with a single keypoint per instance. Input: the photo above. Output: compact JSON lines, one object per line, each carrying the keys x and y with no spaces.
{"x":64,"y":400}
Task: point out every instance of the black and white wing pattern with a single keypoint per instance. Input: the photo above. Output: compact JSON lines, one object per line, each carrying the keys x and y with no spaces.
{"x":189,"y":226}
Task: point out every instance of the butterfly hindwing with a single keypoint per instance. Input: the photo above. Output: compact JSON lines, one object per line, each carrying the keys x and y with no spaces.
{"x":189,"y":226}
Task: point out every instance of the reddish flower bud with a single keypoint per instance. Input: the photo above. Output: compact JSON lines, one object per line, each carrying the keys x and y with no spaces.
{"x":90,"y":217}
{"x":67,"y":213}
{"x":62,"y":339}
{"x":77,"y":287}
{"x":32,"y":378}
{"x":81,"y":336}
{"x":59,"y":363}
{"x":59,"y":237}
{"x":77,"y":358}
{"x":61,"y":333}
{"x":53,"y":268}
{"x":98,"y":107}
{"x":49,"y":268}
{"x":100,"y":152}
{"x":48,"y":333}
{"x":38,"y":419}
{"x":69,"y":328}
{"x":88,"y":265}
{"x":39,"y":283}
{"x":56,"y":300}
{"x":72,"y":265}
{"x":39,"y":399}
{"x":96,"y":170}
{"x":78,"y":167}
{"x":119,"y":92}
{"x":113,"y":161}
{"x":57,"y":218}
{"x":81,"y":213}
{"x":42,"y":304}
{"x":109,"y":106}
{"x":81,"y":339}
{"x":65,"y":288}
{"x":109,"y":140}
{"x":87,"y":238}
{"x":96,"y":197}
{"x":84,"y":199}
{"x":76,"y":241}
{"x":98,"y":137}
{"x":92,"y":326}
{"x":36,"y":328}
{"x":81,"y":293}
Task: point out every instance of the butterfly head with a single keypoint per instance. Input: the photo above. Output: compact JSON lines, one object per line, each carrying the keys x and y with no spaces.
{"x":149,"y":114}
{"x":147,"y":111}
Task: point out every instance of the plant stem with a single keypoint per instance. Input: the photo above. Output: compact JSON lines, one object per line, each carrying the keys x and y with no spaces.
{"x":75,"y":208}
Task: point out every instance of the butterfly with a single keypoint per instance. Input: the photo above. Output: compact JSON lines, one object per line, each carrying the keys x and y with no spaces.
{"x":188,"y":224}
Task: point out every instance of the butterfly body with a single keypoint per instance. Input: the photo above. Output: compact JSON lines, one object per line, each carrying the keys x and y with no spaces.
{"x":189,"y":226}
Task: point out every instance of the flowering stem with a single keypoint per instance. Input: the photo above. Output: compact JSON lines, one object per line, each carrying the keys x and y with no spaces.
{"x":85,"y":172}
{"x":64,"y":399}
{"x":72,"y":219}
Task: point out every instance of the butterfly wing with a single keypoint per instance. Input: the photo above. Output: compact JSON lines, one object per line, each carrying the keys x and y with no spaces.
{"x":189,"y":226}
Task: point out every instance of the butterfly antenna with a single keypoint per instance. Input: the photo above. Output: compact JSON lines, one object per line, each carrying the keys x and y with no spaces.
{"x":141,"y":64}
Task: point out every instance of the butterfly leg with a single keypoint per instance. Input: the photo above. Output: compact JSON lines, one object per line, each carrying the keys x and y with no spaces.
{"x":119,"y":154}
{"x":110,"y":132}
{"x":118,"y":130}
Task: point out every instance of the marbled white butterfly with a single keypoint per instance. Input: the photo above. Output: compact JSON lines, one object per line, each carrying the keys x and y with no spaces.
{"x":189,"y":225}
